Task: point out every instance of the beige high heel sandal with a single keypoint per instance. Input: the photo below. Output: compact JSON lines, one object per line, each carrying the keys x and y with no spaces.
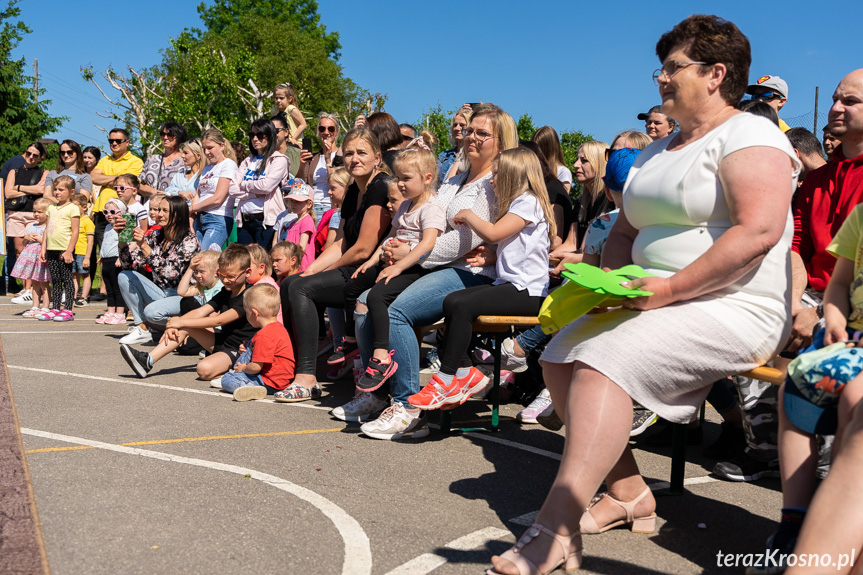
{"x":567,"y":549}
{"x":646,"y":524}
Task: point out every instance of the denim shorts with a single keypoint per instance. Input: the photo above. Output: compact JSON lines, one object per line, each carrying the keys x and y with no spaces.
{"x":78,"y":265}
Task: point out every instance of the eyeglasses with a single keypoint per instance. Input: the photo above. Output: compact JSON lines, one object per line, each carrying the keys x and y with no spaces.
{"x":229,"y":279}
{"x":116,"y":140}
{"x":67,"y":152}
{"x":29,"y":154}
{"x":330,"y":129}
{"x":765,"y":96}
{"x":167,"y":135}
{"x":478,"y":135}
{"x":124,"y":188}
{"x":672,"y":67}
{"x":259,"y":135}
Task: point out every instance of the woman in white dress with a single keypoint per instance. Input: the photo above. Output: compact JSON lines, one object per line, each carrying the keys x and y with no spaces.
{"x":707,"y":213}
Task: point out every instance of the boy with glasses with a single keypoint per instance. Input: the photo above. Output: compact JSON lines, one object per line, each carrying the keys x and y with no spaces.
{"x":224,"y":310}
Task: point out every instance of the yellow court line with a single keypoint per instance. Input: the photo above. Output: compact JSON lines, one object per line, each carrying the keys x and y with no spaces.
{"x":188,"y":439}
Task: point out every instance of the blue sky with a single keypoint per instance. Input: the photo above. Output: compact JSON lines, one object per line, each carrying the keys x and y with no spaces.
{"x":582,"y":66}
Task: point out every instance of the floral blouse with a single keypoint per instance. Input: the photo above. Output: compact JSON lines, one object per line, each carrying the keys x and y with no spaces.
{"x":168,"y":262}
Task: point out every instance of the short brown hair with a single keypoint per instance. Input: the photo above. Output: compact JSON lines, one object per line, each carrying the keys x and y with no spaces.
{"x":235,"y":255}
{"x":67,"y":182}
{"x":80,"y":200}
{"x":711,"y":39}
{"x":264,"y":298}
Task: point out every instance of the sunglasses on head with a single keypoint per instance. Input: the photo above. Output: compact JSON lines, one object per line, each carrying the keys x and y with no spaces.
{"x":116,"y":140}
{"x":330,"y":129}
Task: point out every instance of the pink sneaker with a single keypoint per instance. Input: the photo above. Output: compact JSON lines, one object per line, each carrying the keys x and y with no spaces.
{"x":64,"y":315}
{"x":115,"y":319}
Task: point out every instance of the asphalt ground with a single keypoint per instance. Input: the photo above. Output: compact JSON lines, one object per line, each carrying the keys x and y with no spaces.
{"x":166,"y":475}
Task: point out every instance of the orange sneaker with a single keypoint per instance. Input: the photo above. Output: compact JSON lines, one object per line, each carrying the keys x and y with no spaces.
{"x":474,"y":382}
{"x":436,"y":394}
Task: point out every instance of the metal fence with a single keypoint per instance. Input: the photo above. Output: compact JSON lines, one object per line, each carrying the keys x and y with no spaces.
{"x":807,"y":121}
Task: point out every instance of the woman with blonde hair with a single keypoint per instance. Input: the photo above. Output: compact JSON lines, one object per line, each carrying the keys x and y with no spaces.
{"x":490,"y":132}
{"x":451,"y":162}
{"x":549,"y":142}
{"x":213,"y":208}
{"x":185,"y":183}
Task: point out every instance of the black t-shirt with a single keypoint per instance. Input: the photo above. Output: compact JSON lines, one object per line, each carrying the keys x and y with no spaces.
{"x":25,"y":177}
{"x":352,"y":216}
{"x":558,"y":197}
{"x":11,"y":164}
{"x":239,"y":330}
{"x":587,"y":212}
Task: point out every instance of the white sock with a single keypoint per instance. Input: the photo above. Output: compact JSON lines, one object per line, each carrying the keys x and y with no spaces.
{"x":462,"y":372}
{"x":446,"y":378}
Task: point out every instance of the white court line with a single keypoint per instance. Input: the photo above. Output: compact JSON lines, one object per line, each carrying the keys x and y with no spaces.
{"x":428,"y":562}
{"x":213,"y":393}
{"x":358,"y":553}
{"x":61,"y":332}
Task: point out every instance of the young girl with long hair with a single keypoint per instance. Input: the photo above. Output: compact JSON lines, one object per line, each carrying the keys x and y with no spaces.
{"x":286,"y":103}
{"x":418,"y":222}
{"x":523,"y":231}
{"x":28,"y":266}
{"x":58,"y":249}
{"x":213,"y":207}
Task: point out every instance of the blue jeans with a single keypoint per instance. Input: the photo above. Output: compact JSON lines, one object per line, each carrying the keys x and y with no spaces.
{"x":233,"y":379}
{"x":255,"y":232}
{"x":532,"y":338}
{"x":319,"y":211}
{"x":140,"y":294}
{"x":212,"y":229}
{"x":420,"y":304}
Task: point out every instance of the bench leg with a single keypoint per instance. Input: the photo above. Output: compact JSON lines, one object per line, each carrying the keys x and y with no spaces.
{"x":678,"y":458}
{"x":445,"y":421}
{"x":495,"y":386}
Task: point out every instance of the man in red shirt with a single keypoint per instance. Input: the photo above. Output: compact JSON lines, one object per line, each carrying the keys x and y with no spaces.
{"x":828,"y":195}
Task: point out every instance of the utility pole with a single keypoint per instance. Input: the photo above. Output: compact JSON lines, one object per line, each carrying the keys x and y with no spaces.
{"x":815,"y":122}
{"x":35,"y":80}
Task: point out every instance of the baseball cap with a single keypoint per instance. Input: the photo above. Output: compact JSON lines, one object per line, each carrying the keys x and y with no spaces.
{"x":300,"y":192}
{"x":774,"y":83}
{"x":653,"y":110}
{"x":617,"y":168}
{"x":815,"y":381}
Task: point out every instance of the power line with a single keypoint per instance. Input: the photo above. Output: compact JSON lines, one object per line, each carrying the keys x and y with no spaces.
{"x":70,"y":86}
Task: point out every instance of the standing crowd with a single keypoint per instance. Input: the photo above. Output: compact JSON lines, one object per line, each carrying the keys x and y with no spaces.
{"x":750,"y":239}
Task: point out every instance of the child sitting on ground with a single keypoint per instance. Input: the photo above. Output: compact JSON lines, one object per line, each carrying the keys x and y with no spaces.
{"x":286,"y":258}
{"x":202,"y":269}
{"x":28,"y":266}
{"x":83,"y":249}
{"x":224,"y":345}
{"x":267,"y":365}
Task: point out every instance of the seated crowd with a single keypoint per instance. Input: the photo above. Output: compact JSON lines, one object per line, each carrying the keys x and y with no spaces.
{"x":375,"y":236}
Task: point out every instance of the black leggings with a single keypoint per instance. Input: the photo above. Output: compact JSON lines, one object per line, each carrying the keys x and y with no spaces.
{"x":98,"y":234}
{"x":61,"y":280}
{"x":379,"y":300}
{"x":301,"y":297}
{"x":461,"y":308}
{"x":110,"y":273}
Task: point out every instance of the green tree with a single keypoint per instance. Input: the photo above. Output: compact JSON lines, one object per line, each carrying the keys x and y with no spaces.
{"x":525,"y":127}
{"x":22,"y":118}
{"x":302,"y":14}
{"x":436,"y":121}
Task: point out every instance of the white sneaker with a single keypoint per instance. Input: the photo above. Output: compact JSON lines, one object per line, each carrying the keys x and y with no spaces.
{"x":508,"y":359}
{"x":537,"y":406}
{"x":364,"y":405}
{"x":396,"y":422}
{"x":137,"y":335}
{"x":25,"y":298}
{"x":216,"y":383}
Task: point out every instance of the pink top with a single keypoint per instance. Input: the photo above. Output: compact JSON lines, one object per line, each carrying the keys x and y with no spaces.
{"x":305,"y":225}
{"x":271,"y":282}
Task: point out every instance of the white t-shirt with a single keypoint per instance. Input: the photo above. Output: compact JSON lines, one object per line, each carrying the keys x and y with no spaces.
{"x":283,"y":221}
{"x":209,"y":181}
{"x":564,"y":175}
{"x":319,"y":183}
{"x":678,"y":205}
{"x":522,"y":259}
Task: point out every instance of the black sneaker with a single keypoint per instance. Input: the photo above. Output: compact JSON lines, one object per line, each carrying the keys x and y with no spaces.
{"x":81,"y":302}
{"x":139,"y":361}
{"x":345,"y":351}
{"x":98,"y":296}
{"x":730,"y":444}
{"x":746,"y":468}
{"x":377,"y":373}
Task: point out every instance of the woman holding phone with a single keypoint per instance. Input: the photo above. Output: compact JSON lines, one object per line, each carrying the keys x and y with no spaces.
{"x":315,"y":169}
